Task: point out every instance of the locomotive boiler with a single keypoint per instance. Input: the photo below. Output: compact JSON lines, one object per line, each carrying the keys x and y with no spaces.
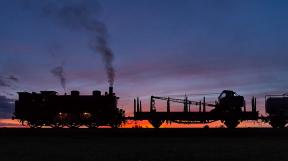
{"x":47,"y":108}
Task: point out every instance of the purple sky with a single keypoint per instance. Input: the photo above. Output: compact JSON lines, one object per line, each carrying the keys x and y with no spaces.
{"x":162,"y":47}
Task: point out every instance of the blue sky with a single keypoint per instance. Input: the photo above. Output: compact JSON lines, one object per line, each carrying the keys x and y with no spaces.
{"x":161,"y":47}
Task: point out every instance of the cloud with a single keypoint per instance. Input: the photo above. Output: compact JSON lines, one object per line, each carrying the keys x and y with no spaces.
{"x":6,"y":81}
{"x":3,"y":83}
{"x":13,"y":78}
{"x":6,"y":107}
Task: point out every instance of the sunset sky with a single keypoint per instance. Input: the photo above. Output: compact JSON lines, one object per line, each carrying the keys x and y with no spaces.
{"x":160,"y":47}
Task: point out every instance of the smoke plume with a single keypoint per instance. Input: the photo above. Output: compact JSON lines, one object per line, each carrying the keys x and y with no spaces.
{"x":82,"y":16}
{"x":59,"y":73}
{"x":13,"y":78}
{"x":6,"y":81}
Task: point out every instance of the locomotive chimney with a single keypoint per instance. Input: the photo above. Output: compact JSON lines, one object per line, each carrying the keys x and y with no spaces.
{"x":110,"y":90}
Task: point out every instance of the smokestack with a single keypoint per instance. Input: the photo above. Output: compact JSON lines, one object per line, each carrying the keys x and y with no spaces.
{"x":110,"y":90}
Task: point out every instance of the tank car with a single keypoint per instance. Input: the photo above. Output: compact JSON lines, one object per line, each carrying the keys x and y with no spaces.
{"x":276,"y":107}
{"x":47,"y":108}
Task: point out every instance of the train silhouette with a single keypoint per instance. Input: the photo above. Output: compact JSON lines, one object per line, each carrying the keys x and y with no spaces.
{"x":49,"y":109}
{"x":75,"y":110}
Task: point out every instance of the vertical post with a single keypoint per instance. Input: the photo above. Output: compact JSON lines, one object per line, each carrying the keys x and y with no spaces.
{"x":254,"y":104}
{"x":204,"y":104}
{"x":140,"y":106}
{"x":152,"y":105}
{"x":168,"y":104}
{"x":185,"y":105}
{"x":151,"y":99}
{"x":244,"y":102}
{"x":134,"y":106}
{"x":200,"y":106}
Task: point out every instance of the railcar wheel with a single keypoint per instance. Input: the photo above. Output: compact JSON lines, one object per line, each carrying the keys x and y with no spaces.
{"x":73,"y":125}
{"x":57,"y":125}
{"x":231,"y":124}
{"x":156,"y":123}
{"x":32,"y":125}
{"x":115,"y":126}
{"x":58,"y":120}
{"x":92,"y":125}
{"x":39,"y":126}
{"x":277,"y":123}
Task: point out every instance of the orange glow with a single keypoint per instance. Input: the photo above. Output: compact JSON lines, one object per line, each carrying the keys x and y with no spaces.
{"x":216,"y":124}
{"x":9,"y":123}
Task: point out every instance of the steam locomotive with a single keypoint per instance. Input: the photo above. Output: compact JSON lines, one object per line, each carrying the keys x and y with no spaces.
{"x":49,"y":109}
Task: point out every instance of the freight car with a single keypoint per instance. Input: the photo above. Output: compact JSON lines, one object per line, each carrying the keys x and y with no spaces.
{"x":49,"y":109}
{"x":276,"y":107}
{"x":229,"y":109}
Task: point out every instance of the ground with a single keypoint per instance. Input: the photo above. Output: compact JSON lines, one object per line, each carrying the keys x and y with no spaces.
{"x":144,"y":144}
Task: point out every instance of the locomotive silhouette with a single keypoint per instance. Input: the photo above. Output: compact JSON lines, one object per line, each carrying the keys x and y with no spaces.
{"x":49,"y":109}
